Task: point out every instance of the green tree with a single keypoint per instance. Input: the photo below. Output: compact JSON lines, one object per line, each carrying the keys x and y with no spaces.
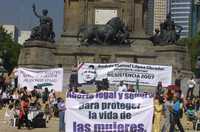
{"x":193,"y":45}
{"x":9,"y":50}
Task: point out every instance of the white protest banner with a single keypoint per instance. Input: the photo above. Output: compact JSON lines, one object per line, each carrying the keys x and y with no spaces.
{"x":109,"y":111}
{"x":148,"y":75}
{"x":50,"y":78}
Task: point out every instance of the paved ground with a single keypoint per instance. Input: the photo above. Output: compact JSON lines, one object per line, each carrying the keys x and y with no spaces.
{"x":52,"y":126}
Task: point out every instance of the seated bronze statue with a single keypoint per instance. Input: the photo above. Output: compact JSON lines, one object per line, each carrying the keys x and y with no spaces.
{"x":168,"y":33}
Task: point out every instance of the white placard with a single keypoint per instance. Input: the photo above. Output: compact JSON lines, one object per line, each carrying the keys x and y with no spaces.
{"x":109,"y":112}
{"x":102,"y":16}
{"x":50,"y":78}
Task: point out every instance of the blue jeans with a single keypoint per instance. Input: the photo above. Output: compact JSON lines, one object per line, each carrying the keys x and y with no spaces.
{"x":166,"y":124}
{"x":175,"y":120}
{"x":62,"y":121}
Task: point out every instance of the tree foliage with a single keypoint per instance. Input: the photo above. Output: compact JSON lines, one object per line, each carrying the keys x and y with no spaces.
{"x":193,"y":45}
{"x":9,"y":50}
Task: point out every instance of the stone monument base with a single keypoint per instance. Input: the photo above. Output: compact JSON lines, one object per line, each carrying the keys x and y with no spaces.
{"x":41,"y":54}
{"x":69,"y":52}
{"x":37,"y":54}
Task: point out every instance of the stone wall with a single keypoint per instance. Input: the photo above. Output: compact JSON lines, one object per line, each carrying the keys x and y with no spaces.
{"x":82,"y":12}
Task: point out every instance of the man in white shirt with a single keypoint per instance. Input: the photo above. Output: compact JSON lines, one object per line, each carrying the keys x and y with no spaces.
{"x":191,"y":84}
{"x":122,"y":87}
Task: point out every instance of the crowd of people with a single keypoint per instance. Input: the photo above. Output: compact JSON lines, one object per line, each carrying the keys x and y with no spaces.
{"x":171,"y":103}
{"x":31,"y":109}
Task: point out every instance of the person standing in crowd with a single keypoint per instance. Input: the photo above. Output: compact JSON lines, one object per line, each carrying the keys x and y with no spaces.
{"x":158,"y":108}
{"x":5,"y":98}
{"x":197,"y":103}
{"x":47,"y":115}
{"x":176,"y":115}
{"x":45,"y":95}
{"x":178,"y":79}
{"x":130,"y":88}
{"x":25,"y":90}
{"x":33,"y":100}
{"x":191,"y":84}
{"x":23,"y":116}
{"x":10,"y":114}
{"x":34,"y":91}
{"x":137,"y":85}
{"x":52,"y":102}
{"x":122,"y":87}
{"x":159,"y":89}
{"x":61,"y":108}
{"x":73,"y":80}
{"x":15,"y":95}
{"x":2,"y":83}
{"x":102,"y":85}
{"x":167,"y":114}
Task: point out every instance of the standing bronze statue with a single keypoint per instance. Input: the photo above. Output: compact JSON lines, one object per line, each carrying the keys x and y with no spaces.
{"x":44,"y":31}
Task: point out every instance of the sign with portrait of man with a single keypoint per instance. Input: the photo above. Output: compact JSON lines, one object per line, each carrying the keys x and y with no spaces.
{"x":129,"y":73}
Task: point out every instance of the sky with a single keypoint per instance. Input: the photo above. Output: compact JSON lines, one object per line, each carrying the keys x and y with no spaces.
{"x":19,"y":13}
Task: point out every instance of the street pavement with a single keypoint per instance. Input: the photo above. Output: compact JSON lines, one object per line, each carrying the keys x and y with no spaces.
{"x":52,"y":126}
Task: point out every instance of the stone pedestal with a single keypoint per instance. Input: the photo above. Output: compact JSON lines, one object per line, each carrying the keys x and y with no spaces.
{"x":69,"y":52}
{"x":37,"y":54}
{"x":176,"y":56}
